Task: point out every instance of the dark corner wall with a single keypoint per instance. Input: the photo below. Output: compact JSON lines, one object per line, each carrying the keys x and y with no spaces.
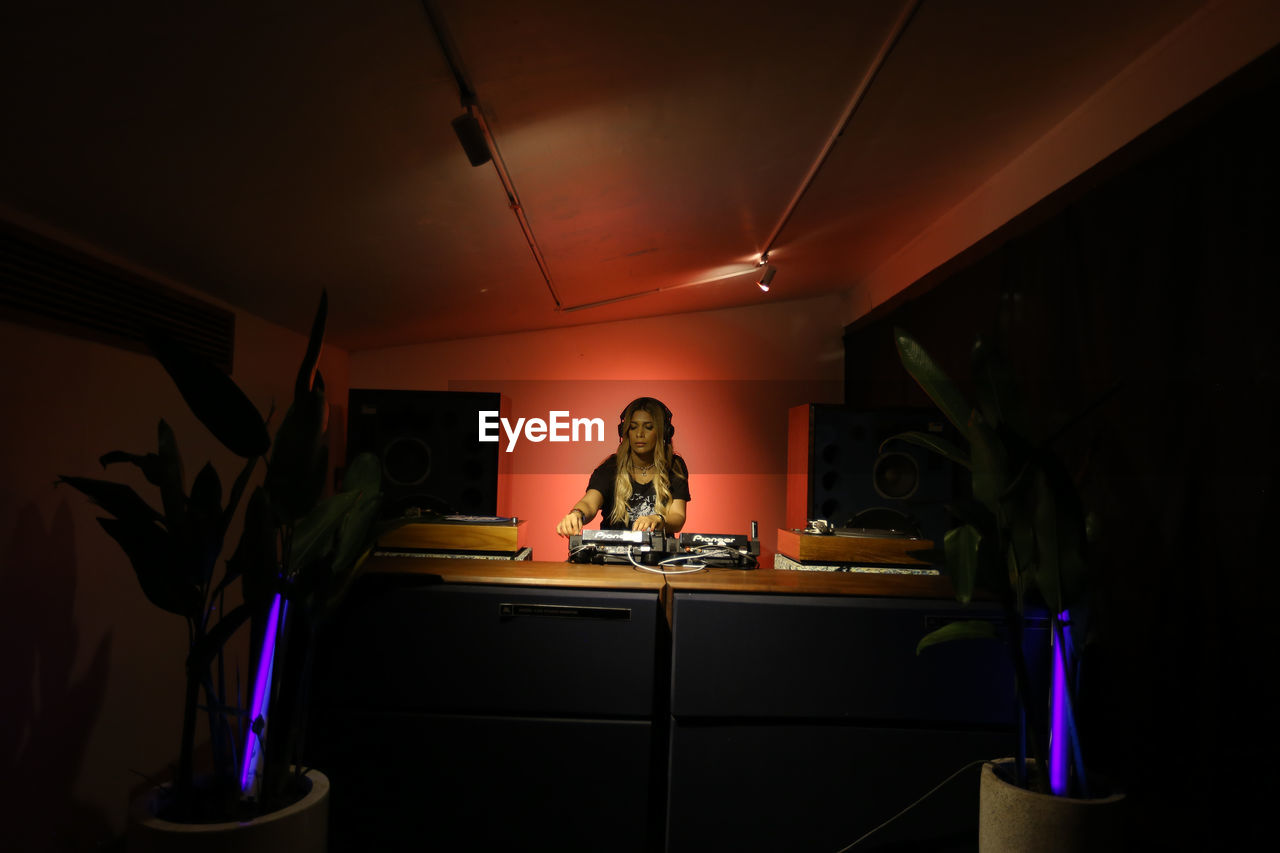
{"x":1156,"y":275}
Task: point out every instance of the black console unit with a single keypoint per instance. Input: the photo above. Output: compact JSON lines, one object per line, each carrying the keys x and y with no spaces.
{"x":483,"y":717}
{"x":801,"y":722}
{"x":547,"y":706}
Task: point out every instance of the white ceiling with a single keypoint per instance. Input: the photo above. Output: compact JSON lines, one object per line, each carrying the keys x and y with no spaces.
{"x":259,"y":150}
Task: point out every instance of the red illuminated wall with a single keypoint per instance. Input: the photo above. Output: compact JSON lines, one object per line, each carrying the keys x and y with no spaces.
{"x":729,"y":377}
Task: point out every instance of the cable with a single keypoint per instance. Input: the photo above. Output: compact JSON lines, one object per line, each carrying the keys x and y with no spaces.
{"x":681,"y":558}
{"x":645,"y":568}
{"x":723,"y":557}
{"x":595,"y":555}
{"x":855,"y":100}
{"x":932,"y":791}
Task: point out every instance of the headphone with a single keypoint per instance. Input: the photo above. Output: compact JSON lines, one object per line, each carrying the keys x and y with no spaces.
{"x":668,"y":428}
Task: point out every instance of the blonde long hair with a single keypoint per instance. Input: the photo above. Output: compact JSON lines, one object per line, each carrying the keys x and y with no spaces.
{"x":664,"y":463}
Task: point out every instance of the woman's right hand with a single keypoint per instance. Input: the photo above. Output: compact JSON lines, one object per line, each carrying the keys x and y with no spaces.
{"x":570,"y":525}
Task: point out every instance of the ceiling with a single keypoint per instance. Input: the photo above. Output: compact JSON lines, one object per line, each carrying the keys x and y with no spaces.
{"x":259,"y":150}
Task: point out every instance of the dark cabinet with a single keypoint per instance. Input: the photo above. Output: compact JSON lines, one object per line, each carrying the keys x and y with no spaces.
{"x":833,"y":658}
{"x":801,"y":722}
{"x":481,"y":717}
{"x":486,"y":715}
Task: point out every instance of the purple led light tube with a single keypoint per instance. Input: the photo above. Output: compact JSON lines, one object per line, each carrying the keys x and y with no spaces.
{"x":261,"y":688}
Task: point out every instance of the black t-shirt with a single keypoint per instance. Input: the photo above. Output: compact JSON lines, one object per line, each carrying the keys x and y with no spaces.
{"x":643,"y":498}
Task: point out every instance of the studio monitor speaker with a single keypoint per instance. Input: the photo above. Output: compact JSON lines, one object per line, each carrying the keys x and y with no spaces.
{"x":837,"y":469}
{"x":427,"y":444}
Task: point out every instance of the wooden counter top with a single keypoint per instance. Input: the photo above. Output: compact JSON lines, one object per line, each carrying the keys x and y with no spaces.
{"x":780,"y":582}
{"x":519,"y":572}
{"x":583,"y":575}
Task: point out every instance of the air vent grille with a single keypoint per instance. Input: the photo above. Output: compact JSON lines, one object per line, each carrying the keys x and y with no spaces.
{"x":47,"y":284}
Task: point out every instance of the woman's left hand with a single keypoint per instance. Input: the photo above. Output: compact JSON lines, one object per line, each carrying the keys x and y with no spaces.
{"x":648,"y":522}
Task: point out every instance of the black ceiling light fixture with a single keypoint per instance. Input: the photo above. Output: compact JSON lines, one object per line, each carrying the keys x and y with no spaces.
{"x":765,"y":281}
{"x":477,"y":141}
{"x":471,"y":134}
{"x":468,"y":127}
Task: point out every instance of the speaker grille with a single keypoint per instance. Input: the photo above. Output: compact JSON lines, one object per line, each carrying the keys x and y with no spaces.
{"x":427,"y":442}
{"x":896,"y":476}
{"x":848,"y":472}
{"x":51,"y":286}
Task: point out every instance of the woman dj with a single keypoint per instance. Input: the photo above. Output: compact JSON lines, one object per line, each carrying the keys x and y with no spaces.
{"x":644,"y":485}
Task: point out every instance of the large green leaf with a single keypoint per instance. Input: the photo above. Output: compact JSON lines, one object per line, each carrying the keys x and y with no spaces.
{"x":148,"y":463}
{"x":213,"y":397}
{"x":255,"y":557}
{"x":1073,"y":569}
{"x":944,"y":393}
{"x":989,"y":572}
{"x":151,"y":552}
{"x":363,"y":478}
{"x":1045,"y":523}
{"x":1092,"y":528}
{"x":315,"y":343}
{"x":188,"y":552}
{"x":116,"y":498}
{"x":207,"y":647}
{"x":206,"y":520}
{"x":237,"y":490}
{"x":929,"y":441}
{"x":315,"y":535}
{"x":1060,"y":535}
{"x":355,"y":533}
{"x":1019,"y":519}
{"x":354,"y":544}
{"x":967,"y":630}
{"x":299,"y":460}
{"x":973,"y":512}
{"x":963,"y":546}
{"x":363,"y":474}
{"x":1019,"y":573}
{"x":996,"y":394}
{"x":206,"y":491}
{"x":339,"y":585}
{"x":173,"y":493}
{"x":991,"y":475}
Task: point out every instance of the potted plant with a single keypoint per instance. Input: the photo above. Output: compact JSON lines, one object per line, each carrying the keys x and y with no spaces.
{"x":298,"y":552}
{"x":1023,"y":538}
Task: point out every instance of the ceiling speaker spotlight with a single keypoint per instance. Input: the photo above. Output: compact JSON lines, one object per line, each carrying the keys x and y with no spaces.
{"x":471,"y":135}
{"x":767,"y":279}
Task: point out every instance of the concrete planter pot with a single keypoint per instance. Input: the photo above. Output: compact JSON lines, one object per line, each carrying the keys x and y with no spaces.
{"x":302,"y":827}
{"x":1013,"y":819}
